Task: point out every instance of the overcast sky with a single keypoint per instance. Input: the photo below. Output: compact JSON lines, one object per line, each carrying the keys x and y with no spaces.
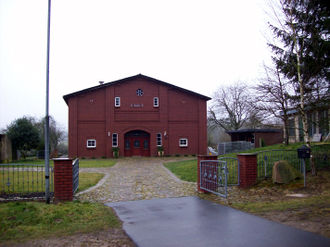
{"x":197,"y":45}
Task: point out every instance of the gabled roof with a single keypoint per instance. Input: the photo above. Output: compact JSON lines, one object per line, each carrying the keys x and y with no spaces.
{"x":139,"y":76}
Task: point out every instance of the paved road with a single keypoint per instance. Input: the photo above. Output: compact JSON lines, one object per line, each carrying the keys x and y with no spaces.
{"x":190,"y":221}
{"x":136,"y":179}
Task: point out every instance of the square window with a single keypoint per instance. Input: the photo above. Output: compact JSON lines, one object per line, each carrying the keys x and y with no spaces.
{"x":91,"y":143}
{"x":117,"y":101}
{"x":183,"y":142}
{"x":115,"y":140}
{"x":159,"y":139}
{"x":156,"y":102}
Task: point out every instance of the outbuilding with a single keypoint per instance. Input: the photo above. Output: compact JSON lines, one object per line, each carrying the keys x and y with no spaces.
{"x":259,"y":137}
{"x":137,"y":116}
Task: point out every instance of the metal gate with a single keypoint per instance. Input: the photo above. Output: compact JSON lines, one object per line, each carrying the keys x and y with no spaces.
{"x":23,"y":181}
{"x":213,"y":176}
{"x":217,"y":175}
{"x":75,"y":175}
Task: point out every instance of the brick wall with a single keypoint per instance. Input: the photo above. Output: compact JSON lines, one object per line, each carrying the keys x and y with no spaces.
{"x":63,"y":178}
{"x":93,"y":115}
{"x":248,"y":169}
{"x":269,"y":138}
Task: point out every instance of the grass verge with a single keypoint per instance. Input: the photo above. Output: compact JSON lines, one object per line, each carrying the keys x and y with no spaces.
{"x":185,"y":170}
{"x":321,"y":203}
{"x":96,"y":163}
{"x":20,"y":221}
{"x":87,"y":180}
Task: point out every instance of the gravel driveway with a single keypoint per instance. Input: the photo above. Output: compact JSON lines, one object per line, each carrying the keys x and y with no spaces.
{"x":136,"y":179}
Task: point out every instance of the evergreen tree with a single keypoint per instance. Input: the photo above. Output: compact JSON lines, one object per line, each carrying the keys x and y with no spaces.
{"x":23,"y":135}
{"x":303,"y":55}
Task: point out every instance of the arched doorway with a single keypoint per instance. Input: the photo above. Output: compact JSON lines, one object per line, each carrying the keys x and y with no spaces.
{"x":137,"y":143}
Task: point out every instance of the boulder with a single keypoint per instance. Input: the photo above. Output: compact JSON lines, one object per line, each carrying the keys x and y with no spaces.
{"x":284,"y":173}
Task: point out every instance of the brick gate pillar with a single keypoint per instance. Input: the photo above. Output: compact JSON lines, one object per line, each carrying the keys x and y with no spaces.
{"x":199,"y":158}
{"x":247,"y":169}
{"x":63,"y":179}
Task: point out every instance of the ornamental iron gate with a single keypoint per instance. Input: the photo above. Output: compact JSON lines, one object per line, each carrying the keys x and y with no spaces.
{"x":213,"y":176}
{"x":217,"y":175}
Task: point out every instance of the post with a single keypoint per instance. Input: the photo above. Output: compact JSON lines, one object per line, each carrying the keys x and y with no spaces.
{"x":63,"y":179}
{"x":304,"y":168}
{"x":199,"y":158}
{"x":47,"y":111}
{"x":248,"y":169}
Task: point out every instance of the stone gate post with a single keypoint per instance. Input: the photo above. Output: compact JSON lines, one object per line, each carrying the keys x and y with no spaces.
{"x":63,"y":179}
{"x":247,"y":169}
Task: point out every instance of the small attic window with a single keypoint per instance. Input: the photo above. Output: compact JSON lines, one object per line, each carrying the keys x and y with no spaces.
{"x":117,"y":101}
{"x":139,"y":92}
{"x":156,"y":102}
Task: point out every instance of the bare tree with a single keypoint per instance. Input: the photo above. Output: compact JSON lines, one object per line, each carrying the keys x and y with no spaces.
{"x":232,"y":107}
{"x":273,"y":94}
{"x":56,"y":133}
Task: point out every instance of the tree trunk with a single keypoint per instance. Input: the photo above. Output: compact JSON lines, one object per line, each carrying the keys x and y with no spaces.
{"x":302,"y":109}
{"x":286,"y":131}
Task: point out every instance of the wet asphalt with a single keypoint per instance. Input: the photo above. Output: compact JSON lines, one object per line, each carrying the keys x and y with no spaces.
{"x":191,"y":221}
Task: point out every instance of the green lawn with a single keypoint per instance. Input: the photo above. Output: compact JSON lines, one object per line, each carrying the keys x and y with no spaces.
{"x":34,"y":181}
{"x":83,"y":163}
{"x":21,"y":221}
{"x":89,"y":163}
{"x":185,"y":170}
{"x":87,"y":180}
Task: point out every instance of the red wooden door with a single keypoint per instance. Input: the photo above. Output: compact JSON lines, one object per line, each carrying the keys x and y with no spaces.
{"x":137,"y":145}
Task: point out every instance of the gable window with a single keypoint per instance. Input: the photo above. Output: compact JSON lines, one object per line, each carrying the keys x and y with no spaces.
{"x":139,"y":92}
{"x":183,"y":142}
{"x":159,"y":139}
{"x":115,"y":140}
{"x":91,"y":143}
{"x":117,"y":101}
{"x":156,"y":102}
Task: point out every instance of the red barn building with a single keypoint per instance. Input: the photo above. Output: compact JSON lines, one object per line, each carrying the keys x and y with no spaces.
{"x":137,"y":115}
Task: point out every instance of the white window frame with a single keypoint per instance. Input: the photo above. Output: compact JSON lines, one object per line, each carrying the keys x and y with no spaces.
{"x":156,"y":102}
{"x":159,"y":139}
{"x":183,"y":144}
{"x":114,"y":135}
{"x":117,"y":101}
{"x":88,"y":143}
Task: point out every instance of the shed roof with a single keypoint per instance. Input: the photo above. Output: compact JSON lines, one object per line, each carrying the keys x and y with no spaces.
{"x":138,"y":76}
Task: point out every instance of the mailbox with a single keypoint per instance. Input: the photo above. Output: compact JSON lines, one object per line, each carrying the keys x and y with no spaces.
{"x":304,"y":152}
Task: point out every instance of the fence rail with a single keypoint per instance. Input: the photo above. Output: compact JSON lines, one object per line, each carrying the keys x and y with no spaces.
{"x":266,"y":159}
{"x":233,"y":170}
{"x":320,"y":156}
{"x":22,"y":179}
